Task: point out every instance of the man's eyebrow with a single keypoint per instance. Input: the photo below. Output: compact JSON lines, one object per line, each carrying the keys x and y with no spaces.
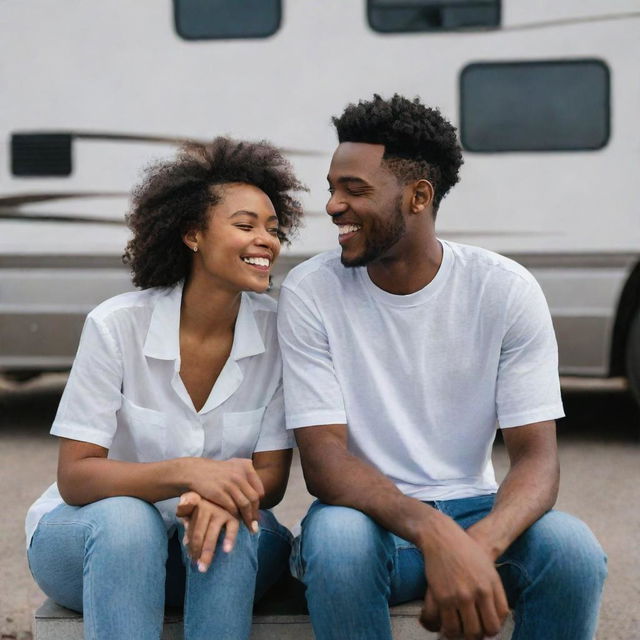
{"x":253,"y":214}
{"x":345,"y":179}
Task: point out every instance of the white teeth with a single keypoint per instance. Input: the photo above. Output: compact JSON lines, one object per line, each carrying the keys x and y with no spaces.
{"x":260,"y":262}
{"x":347,"y":228}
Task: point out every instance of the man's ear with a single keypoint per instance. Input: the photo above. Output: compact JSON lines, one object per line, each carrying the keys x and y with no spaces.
{"x":423,"y":193}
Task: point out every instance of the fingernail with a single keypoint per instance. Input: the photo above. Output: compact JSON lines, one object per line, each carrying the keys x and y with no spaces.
{"x":227,"y":546}
{"x":202,"y":567}
{"x":255,"y":527}
{"x":185,"y":541}
{"x":181,"y":501}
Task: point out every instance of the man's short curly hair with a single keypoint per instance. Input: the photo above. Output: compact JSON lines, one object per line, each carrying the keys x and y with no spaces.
{"x":175,"y":196}
{"x":418,"y":141}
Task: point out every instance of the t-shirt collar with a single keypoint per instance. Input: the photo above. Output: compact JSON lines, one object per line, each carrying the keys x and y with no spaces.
{"x":420,"y":296}
{"x":163,"y":336}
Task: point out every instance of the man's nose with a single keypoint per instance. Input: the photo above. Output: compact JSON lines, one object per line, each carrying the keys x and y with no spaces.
{"x":335,"y":205}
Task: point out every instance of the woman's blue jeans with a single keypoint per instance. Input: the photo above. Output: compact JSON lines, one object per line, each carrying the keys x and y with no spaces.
{"x":112,"y":561}
{"x":354,"y":569}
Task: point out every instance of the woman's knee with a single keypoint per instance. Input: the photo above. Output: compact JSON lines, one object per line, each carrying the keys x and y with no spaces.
{"x":126,"y":524}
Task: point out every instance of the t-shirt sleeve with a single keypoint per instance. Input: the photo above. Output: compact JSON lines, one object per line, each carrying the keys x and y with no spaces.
{"x":273,"y":434}
{"x":311,"y":389}
{"x":528,"y":386}
{"x":92,"y":396}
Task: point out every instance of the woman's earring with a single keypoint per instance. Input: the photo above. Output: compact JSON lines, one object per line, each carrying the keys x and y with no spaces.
{"x":195,"y":249}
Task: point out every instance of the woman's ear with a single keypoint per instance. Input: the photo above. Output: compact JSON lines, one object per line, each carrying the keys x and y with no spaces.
{"x":191,"y":240}
{"x":423,"y":193}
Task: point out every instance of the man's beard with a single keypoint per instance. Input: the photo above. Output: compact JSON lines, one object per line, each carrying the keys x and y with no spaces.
{"x":381,"y":238}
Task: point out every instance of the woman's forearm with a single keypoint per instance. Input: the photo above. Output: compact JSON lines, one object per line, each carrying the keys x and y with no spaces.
{"x":86,"y":475}
{"x":94,"y":478}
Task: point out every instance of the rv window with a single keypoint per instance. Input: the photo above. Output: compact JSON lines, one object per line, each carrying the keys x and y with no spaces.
{"x":218,"y":19}
{"x":558,"y":105}
{"x":41,"y":154}
{"x":389,"y":16}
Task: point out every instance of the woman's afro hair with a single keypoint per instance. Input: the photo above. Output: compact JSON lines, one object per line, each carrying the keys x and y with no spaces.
{"x":418,"y":141}
{"x":175,"y":196}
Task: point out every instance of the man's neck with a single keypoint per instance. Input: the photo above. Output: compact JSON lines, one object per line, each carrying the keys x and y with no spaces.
{"x":410,"y":268}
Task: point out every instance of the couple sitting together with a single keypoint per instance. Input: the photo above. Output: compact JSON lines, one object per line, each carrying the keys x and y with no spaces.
{"x":391,"y":362}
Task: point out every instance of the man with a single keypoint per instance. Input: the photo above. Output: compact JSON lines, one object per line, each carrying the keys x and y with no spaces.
{"x":401,"y":353}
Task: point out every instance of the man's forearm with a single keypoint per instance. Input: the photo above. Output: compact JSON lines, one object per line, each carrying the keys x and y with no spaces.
{"x":528,"y":491}
{"x":337,"y":477}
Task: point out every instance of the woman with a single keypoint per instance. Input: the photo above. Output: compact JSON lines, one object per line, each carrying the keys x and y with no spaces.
{"x":176,"y":391}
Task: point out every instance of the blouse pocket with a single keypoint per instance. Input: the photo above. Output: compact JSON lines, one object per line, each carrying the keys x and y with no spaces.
{"x":141,"y":434}
{"x":240,"y":433}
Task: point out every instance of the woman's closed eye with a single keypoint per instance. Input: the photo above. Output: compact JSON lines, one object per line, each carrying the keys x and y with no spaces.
{"x":249,"y":227}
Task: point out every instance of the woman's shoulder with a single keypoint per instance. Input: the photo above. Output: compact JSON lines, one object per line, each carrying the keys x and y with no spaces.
{"x":125,"y":304}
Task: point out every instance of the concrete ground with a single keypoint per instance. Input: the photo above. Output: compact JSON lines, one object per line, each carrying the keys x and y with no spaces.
{"x":599,"y":449}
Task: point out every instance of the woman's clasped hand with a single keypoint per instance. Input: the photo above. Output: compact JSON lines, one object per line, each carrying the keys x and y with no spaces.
{"x":204,"y":522}
{"x":233,"y":485}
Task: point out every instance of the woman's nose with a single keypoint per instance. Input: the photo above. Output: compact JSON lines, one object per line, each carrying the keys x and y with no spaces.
{"x":267,"y":239}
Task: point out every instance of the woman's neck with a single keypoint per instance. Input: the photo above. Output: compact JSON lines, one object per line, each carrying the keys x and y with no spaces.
{"x":206,"y":310}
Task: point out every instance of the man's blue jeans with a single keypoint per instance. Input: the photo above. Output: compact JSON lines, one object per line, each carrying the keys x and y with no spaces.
{"x":112,"y":560}
{"x":354,"y":569}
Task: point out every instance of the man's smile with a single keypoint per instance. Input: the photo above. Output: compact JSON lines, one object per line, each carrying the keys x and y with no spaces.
{"x":347,"y":231}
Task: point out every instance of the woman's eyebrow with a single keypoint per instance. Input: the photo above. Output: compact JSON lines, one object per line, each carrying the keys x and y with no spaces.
{"x":252,"y":214}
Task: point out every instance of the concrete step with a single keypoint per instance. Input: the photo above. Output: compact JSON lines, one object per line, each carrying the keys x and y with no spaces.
{"x":275,"y":618}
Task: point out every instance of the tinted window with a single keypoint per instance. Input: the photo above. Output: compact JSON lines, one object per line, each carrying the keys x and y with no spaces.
{"x":41,"y":154}
{"x":432,"y":15}
{"x":535,"y":106}
{"x":213,"y":19}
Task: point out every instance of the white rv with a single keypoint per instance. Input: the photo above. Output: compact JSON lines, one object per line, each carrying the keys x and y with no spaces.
{"x":545,"y":96}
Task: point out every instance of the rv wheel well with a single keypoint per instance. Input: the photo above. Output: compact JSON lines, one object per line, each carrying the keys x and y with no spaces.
{"x":628,"y":306}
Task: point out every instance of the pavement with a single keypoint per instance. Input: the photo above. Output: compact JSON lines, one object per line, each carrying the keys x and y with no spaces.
{"x":599,"y":451}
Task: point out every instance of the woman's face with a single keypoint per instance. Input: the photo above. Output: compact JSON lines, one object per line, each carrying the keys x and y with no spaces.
{"x":240,"y":244}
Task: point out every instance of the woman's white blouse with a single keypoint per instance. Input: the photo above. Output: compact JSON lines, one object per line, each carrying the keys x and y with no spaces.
{"x":125,"y":393}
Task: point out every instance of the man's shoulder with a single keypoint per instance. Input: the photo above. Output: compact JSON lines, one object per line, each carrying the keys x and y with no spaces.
{"x":314,"y":270}
{"x":480,"y":262}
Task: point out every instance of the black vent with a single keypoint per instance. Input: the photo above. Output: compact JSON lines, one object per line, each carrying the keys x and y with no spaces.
{"x":41,"y":154}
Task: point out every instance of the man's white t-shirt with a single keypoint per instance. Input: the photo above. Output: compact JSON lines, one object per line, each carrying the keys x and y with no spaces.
{"x":421,"y":380}
{"x":125,"y":393}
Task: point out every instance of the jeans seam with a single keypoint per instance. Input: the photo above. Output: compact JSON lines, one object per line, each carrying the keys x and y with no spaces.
{"x":91,"y":528}
{"x":187,"y":588}
{"x":287,"y":537}
{"x":518,"y":566}
{"x":520,"y":623}
{"x":296,"y":565}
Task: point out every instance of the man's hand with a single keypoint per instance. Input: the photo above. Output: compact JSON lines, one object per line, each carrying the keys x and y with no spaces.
{"x":232,"y":484}
{"x":203,"y":522}
{"x":465,"y":597}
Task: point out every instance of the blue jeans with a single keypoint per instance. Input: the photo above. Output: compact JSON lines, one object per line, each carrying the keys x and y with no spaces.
{"x":354,"y":569}
{"x":112,"y":561}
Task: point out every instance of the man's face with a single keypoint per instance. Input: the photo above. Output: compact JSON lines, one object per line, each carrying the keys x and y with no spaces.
{"x":365,"y":203}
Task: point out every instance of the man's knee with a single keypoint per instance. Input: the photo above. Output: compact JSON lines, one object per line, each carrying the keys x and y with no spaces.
{"x":566,"y":550}
{"x":336,"y":539}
